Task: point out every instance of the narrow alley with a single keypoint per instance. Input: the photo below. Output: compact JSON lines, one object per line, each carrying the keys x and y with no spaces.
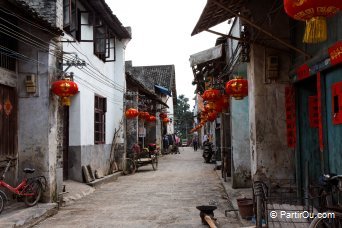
{"x":164,"y":198}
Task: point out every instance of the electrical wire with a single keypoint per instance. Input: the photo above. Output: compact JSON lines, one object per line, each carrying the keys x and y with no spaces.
{"x":31,"y":42}
{"x":17,"y":16}
{"x":20,"y":57}
{"x":92,"y":66}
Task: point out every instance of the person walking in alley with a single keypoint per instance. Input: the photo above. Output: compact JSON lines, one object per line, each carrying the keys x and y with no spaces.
{"x":205,"y":138}
{"x":195,"y":143}
{"x":165,"y":144}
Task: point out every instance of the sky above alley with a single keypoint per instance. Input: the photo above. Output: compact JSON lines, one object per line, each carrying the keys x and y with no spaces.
{"x":161,"y":35}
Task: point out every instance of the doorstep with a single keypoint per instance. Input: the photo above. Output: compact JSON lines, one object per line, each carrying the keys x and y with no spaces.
{"x":18,"y":215}
{"x":105,"y":179}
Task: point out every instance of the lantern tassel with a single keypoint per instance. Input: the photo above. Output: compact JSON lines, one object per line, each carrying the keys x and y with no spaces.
{"x":316,"y":30}
{"x":66,"y":101}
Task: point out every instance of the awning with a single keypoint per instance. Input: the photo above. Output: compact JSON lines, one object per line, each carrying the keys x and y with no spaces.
{"x":218,"y":11}
{"x":162,"y":90}
{"x":213,"y":15}
{"x":206,"y":55}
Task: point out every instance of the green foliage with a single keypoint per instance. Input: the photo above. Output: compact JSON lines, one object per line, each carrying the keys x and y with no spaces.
{"x":183,"y":117}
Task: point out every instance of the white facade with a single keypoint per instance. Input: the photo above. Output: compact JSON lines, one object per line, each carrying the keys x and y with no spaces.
{"x":100,"y":76}
{"x":108,"y":81}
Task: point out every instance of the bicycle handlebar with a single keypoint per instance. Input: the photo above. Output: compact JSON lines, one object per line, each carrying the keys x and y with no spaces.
{"x":329,"y":177}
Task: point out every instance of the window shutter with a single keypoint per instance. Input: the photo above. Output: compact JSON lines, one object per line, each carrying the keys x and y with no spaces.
{"x":104,"y":100}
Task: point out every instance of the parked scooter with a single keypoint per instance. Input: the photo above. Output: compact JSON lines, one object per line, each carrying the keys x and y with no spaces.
{"x":208,"y":151}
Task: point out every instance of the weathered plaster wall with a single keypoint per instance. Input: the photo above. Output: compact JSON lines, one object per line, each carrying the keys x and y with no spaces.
{"x":241,"y":160}
{"x":94,"y":155}
{"x":38,"y":117}
{"x":269,"y":152}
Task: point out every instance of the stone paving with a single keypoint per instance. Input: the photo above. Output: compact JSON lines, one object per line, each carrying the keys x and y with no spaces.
{"x":164,"y":198}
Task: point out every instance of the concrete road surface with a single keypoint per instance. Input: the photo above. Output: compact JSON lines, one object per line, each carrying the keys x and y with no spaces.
{"x":164,"y":198}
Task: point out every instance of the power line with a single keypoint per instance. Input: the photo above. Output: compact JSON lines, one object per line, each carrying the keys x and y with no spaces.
{"x":21,"y":37}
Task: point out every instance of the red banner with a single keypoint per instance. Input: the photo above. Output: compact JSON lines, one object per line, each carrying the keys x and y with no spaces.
{"x":313,"y":112}
{"x":335,"y":53}
{"x":290,"y":108}
{"x":319,"y":112}
{"x":303,"y":71}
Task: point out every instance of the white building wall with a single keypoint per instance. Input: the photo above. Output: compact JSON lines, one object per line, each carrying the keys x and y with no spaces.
{"x":106,"y":79}
{"x":170,"y":126}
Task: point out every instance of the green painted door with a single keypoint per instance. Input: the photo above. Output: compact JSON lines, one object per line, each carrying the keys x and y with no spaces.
{"x":308,"y":153}
{"x":333,"y":132}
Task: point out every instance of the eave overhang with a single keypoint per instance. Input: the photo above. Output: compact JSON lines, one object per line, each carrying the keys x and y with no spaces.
{"x":213,"y":15}
{"x":111,"y":20}
{"x":132,"y":82}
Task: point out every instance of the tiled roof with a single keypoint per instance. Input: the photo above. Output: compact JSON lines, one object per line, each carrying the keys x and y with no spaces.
{"x":132,"y":82}
{"x":113,"y":22}
{"x":163,"y":75}
{"x":30,"y":10}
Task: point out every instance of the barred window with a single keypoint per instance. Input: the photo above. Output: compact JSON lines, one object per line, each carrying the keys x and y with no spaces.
{"x":100,"y":120}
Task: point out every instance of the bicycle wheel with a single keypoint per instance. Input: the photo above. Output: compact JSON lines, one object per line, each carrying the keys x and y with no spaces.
{"x":128,"y":166}
{"x":154,"y":162}
{"x":335,"y":222}
{"x":2,"y":203}
{"x":34,"y":189}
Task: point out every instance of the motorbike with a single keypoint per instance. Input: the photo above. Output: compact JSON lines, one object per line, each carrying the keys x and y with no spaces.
{"x":208,"y":151}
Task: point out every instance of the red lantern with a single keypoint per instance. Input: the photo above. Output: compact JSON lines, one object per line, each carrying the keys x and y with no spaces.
{"x":143,"y":115}
{"x":151,"y":118}
{"x":131,"y":113}
{"x":237,"y":88}
{"x":218,"y":105}
{"x":65,"y":89}
{"x":162,"y":115}
{"x":314,"y":13}
{"x":166,"y":120}
{"x":209,"y":107}
{"x":212,"y":116}
{"x":211,"y":95}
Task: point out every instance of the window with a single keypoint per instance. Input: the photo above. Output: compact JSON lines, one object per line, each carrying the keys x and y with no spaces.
{"x":100,"y":120}
{"x":104,"y":41}
{"x":87,"y":26}
{"x":8,"y":45}
{"x":70,"y":22}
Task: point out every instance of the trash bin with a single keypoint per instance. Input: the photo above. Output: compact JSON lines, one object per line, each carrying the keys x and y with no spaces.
{"x":245,"y":207}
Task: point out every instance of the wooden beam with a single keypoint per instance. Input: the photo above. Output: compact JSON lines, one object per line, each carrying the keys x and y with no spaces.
{"x":225,"y":35}
{"x":260,"y":29}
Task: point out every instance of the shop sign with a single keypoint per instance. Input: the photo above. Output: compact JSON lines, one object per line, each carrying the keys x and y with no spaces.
{"x":335,"y":53}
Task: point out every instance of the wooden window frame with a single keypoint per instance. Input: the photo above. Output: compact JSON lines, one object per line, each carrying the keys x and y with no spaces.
{"x":70,"y":26}
{"x":100,"y":109}
{"x":81,"y":25}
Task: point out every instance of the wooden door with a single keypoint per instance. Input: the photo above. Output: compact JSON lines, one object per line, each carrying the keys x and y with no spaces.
{"x":8,"y":121}
{"x":66,"y":143}
{"x":333,"y":127}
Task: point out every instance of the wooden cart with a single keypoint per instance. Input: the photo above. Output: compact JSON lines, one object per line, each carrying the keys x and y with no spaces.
{"x":140,"y":158}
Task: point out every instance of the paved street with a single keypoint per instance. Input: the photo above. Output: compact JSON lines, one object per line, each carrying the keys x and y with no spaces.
{"x":164,"y":198}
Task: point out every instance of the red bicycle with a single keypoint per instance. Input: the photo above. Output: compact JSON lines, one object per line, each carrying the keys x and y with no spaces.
{"x":29,"y":188}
